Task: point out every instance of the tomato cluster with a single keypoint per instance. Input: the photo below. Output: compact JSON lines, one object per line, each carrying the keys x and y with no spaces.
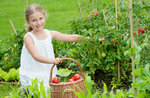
{"x":140,"y":31}
{"x":116,"y":42}
{"x":93,"y":14}
{"x":73,"y":78}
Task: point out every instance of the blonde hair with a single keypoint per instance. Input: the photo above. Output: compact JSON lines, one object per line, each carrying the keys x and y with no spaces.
{"x":30,"y":10}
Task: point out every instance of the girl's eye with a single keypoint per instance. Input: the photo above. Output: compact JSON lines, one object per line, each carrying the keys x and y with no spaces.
{"x":33,"y":20}
{"x":41,"y":18}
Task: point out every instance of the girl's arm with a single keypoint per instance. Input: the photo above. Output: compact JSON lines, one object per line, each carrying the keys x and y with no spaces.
{"x":66,"y":37}
{"x":30,"y":47}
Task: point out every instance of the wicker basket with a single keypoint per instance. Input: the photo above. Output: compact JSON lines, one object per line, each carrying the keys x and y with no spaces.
{"x":58,"y":89}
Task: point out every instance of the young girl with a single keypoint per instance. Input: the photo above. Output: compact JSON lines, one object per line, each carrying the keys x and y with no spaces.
{"x":37,"y":54}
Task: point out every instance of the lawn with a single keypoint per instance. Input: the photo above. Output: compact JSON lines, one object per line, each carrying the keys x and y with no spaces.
{"x":60,"y":12}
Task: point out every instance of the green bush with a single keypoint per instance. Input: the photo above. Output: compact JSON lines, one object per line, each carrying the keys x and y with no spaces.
{"x":11,"y":51}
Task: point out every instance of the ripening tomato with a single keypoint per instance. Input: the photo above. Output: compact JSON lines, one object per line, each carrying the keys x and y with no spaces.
{"x":77,"y":76}
{"x":70,"y":80}
{"x":5,"y":58}
{"x":103,"y":55}
{"x":134,"y":34}
{"x":96,"y":13}
{"x":139,"y":30}
{"x":55,"y":80}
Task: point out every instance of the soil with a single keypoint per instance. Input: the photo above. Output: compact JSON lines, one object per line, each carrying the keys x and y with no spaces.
{"x":107,"y":77}
{"x":100,"y":76}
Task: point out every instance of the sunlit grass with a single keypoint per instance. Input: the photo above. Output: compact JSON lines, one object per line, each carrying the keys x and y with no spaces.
{"x":60,"y":12}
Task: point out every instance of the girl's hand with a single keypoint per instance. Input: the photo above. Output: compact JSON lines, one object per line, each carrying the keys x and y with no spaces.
{"x":101,"y":39}
{"x":57,"y":60}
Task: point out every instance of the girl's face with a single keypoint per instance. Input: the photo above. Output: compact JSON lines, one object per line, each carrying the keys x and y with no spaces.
{"x":37,"y":21}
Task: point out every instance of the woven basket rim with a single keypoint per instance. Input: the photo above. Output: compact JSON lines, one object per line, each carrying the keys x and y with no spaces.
{"x":67,"y":83}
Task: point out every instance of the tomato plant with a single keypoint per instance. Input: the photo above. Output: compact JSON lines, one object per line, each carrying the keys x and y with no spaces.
{"x":10,"y":51}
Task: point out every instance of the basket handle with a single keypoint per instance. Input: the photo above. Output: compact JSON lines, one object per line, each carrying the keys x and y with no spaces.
{"x":50,"y":80}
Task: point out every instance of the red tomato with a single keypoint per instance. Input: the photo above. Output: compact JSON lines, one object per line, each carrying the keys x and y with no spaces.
{"x":96,"y":13}
{"x":142,"y":31}
{"x":55,"y":80}
{"x":139,"y":30}
{"x":77,"y":76}
{"x":116,"y":43}
{"x":70,"y":80}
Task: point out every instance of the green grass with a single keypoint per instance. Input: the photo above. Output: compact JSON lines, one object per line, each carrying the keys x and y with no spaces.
{"x":60,"y":12}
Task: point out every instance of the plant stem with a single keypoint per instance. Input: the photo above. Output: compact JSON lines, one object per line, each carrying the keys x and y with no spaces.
{"x":112,"y":1}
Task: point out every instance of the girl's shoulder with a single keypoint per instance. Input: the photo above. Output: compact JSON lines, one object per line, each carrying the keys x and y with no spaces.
{"x":28,"y":37}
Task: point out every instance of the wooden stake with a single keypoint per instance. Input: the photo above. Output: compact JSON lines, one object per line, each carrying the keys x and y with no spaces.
{"x":27,"y":2}
{"x":104,"y":17}
{"x":132,"y":45}
{"x":80,"y":8}
{"x":117,"y":36}
{"x":116,"y":15}
{"x":134,"y":1}
{"x":13,"y":27}
{"x":112,"y":1}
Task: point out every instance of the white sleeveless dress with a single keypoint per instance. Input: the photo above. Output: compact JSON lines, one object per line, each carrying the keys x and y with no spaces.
{"x":30,"y":68}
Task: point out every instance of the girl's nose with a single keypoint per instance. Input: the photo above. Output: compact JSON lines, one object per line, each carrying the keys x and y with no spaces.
{"x":38,"y":22}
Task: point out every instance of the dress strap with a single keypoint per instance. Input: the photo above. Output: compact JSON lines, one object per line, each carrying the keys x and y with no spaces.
{"x":33,"y":37}
{"x":48,"y":34}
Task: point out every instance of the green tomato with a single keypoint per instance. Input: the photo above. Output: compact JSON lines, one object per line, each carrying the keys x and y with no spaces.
{"x":103,"y":55}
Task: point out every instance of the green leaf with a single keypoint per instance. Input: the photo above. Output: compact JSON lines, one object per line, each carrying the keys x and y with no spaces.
{"x":64,"y":72}
{"x":135,"y":85}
